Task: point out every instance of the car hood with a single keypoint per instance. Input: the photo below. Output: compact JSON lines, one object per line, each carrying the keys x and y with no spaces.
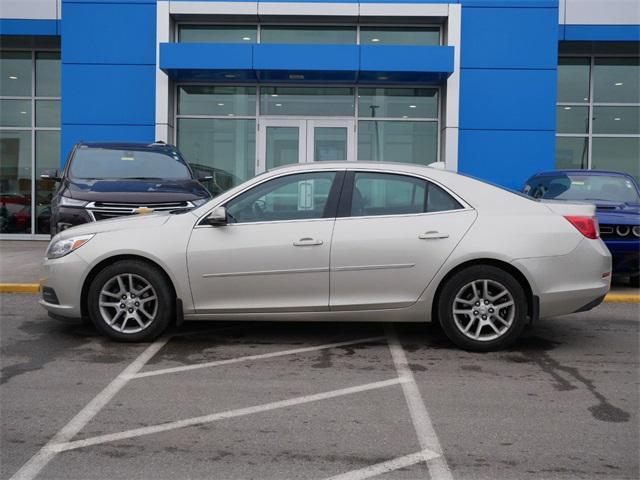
{"x":140,"y":221}
{"x":618,"y":213}
{"x":135,"y":191}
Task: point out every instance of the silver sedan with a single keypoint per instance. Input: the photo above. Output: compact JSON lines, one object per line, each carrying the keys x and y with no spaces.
{"x":344,"y":241}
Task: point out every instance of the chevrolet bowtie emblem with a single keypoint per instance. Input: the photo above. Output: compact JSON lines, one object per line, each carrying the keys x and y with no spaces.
{"x":143,"y":210}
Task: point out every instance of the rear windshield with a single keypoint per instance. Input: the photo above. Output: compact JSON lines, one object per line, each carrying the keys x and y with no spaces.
{"x":108,"y":163}
{"x":609,"y":188}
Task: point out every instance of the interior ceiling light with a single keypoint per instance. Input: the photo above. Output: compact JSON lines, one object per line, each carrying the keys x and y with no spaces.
{"x":24,"y":113}
{"x":618,"y":84}
{"x":567,"y":108}
{"x":12,"y":77}
{"x":229,"y":75}
{"x":274,"y":94}
{"x":412,"y":106}
{"x":221,"y":104}
{"x":246,"y":38}
{"x":278,"y":104}
{"x":375,"y":39}
{"x":617,"y":119}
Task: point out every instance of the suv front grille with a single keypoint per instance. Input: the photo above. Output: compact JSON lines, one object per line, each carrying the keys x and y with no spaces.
{"x":105,"y":210}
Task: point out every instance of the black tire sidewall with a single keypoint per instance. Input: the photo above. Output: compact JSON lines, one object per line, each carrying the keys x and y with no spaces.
{"x":463,"y":277}
{"x":155,"y":278}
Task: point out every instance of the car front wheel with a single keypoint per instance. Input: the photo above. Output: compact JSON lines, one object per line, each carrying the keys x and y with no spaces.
{"x":482,"y":308}
{"x":130,"y":301}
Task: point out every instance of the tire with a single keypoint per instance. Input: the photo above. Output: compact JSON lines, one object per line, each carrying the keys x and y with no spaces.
{"x":134,"y":284}
{"x":493,"y":321}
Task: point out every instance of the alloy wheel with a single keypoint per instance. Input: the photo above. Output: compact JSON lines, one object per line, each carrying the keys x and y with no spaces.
{"x":128,"y":303}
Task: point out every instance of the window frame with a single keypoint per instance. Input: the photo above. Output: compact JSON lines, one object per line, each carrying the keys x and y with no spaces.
{"x":346,"y":197}
{"x":592,"y":105}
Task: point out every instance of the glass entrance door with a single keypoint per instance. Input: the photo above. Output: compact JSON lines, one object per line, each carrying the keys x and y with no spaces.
{"x":287,"y":141}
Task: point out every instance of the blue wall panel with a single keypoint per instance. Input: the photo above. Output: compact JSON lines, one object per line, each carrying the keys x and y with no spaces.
{"x":111,"y":33}
{"x":509,"y":38}
{"x":620,"y":33}
{"x":506,"y":157}
{"x":305,"y":57}
{"x":109,"y":94}
{"x":508,"y":99}
{"x":14,"y":26}
{"x":108,"y":71}
{"x":386,"y":58}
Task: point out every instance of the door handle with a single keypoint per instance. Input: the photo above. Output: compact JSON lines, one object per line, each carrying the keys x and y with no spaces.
{"x":307,"y":242}
{"x":432,"y":235}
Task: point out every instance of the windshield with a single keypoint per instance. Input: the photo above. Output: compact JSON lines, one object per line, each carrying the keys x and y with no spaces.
{"x":107,"y":163}
{"x":609,"y":188}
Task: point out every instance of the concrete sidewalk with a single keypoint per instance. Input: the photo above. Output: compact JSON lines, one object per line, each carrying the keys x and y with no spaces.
{"x":20,"y":264}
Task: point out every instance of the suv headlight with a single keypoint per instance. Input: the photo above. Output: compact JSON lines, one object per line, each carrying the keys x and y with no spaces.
{"x":71,"y":202}
{"x":62,"y":247}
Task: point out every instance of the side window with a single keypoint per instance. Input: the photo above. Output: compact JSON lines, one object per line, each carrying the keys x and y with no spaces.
{"x":391,"y":194}
{"x":294,"y":197}
{"x":440,"y":201}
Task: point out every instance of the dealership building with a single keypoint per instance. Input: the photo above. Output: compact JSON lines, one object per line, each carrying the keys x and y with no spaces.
{"x":498,"y":89}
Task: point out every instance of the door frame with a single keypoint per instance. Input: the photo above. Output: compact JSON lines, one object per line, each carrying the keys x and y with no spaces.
{"x":306,"y":128}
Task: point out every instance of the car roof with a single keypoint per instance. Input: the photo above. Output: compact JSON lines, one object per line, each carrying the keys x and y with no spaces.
{"x":594,"y":173}
{"x":128,"y":145}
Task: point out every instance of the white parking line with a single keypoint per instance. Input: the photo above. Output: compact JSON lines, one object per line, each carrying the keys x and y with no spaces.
{"x":36,"y":463}
{"x":217,"y":363}
{"x":438,"y":468}
{"x":189,"y":422}
{"x":385,"y":467}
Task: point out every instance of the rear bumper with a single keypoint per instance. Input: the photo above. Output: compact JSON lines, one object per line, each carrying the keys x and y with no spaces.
{"x":572,"y":282}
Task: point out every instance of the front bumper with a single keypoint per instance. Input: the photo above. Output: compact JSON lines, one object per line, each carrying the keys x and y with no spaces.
{"x":570,"y":283}
{"x":625,"y":256}
{"x":64,"y":276}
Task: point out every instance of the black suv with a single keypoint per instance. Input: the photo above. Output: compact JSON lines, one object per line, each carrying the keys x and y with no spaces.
{"x":106,"y":180}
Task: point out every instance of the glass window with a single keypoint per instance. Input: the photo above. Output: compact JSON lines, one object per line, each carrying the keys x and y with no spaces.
{"x":283,"y":146}
{"x":573,"y":79}
{"x":15,"y":113}
{"x":15,"y":181}
{"x":572,"y":119}
{"x":440,"y":201}
{"x":399,"y":36}
{"x":216,"y":100}
{"x":313,"y":101}
{"x":616,"y":80}
{"x":47,"y":158}
{"x":398,"y":102}
{"x":294,"y":197}
{"x":617,"y":154}
{"x":15,"y":72}
{"x":224,"y":148}
{"x":47,"y":113}
{"x":309,"y":35}
{"x":217,"y":34}
{"x":618,"y":120}
{"x":387,"y":194}
{"x":48,"y":74}
{"x":398,"y":141}
{"x":330,"y":144}
{"x":571,"y":152}
{"x":101,"y":163}
{"x":613,"y":188}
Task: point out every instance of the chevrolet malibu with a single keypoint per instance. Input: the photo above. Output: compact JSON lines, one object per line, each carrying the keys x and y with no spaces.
{"x":353,"y":241}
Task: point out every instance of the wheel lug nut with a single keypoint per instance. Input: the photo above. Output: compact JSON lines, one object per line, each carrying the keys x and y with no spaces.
{"x":124,"y":296}
{"x":122,"y":305}
{"x":131,"y":310}
{"x":484,"y":317}
{"x":486,"y":302}
{"x":133,"y":295}
{"x":477,"y":304}
{"x":491,"y":310}
{"x":137,"y":304}
{"x":475,"y":312}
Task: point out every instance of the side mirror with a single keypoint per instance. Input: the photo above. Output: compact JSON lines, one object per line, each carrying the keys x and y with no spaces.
{"x":217,"y":217}
{"x":50,"y":175}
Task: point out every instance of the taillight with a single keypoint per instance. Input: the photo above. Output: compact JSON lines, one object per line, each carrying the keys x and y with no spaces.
{"x":588,"y":226}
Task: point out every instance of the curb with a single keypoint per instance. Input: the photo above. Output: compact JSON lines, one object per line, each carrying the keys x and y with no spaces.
{"x":35,"y":288}
{"x":19,"y":287}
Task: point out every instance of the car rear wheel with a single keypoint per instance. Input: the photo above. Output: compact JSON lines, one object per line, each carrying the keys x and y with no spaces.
{"x":130,"y":301}
{"x":482,"y":308}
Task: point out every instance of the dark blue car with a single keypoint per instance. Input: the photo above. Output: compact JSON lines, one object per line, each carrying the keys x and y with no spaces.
{"x":617,"y":200}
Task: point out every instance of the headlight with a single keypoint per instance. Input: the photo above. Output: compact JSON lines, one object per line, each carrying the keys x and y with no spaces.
{"x":71,"y":202}
{"x":62,"y":247}
{"x":199,"y":202}
{"x":623,"y":230}
{"x":636,"y":231}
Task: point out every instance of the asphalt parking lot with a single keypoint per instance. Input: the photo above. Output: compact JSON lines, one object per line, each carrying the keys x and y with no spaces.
{"x":317,"y":401}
